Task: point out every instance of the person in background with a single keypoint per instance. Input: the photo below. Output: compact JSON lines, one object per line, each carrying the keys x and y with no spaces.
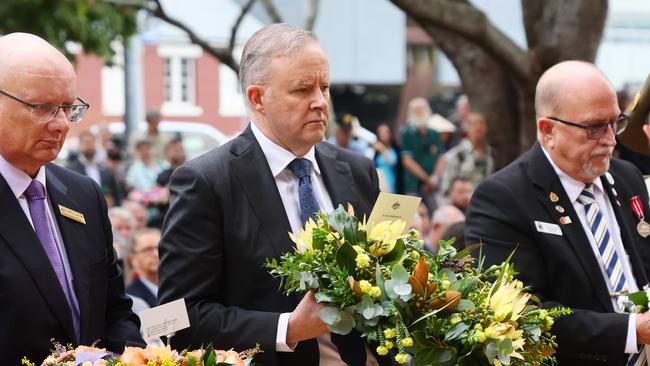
{"x":441,"y":220}
{"x":472,"y":158}
{"x":420,"y":151}
{"x":152,"y":134}
{"x":59,"y":276}
{"x":422,"y":223}
{"x":387,"y":157}
{"x":139,"y":212}
{"x":142,"y":174}
{"x":144,"y":261}
{"x":459,"y":193}
{"x":122,"y":226}
{"x":445,"y":129}
{"x":174,"y":156}
{"x":85,"y":162}
{"x":343,"y":137}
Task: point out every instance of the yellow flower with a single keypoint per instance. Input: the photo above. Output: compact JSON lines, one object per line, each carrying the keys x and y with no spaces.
{"x":386,"y":234}
{"x":480,"y":336}
{"x":455,"y":320}
{"x":365,"y":286}
{"x":407,"y":342}
{"x":375,"y":292}
{"x":508,"y":299}
{"x":402,"y":358}
{"x":382,"y":351}
{"x":306,"y":237}
{"x":389,"y":344}
{"x":389,"y":333}
{"x":362,"y":260}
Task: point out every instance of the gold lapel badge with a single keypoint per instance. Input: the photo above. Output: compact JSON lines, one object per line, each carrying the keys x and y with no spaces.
{"x":72,"y":214}
{"x":553,"y":197}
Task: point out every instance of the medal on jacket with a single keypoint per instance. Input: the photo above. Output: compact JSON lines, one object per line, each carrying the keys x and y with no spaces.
{"x":637,"y":207}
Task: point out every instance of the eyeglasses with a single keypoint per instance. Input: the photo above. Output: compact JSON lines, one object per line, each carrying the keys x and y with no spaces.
{"x":596,"y":131}
{"x":43,"y":113}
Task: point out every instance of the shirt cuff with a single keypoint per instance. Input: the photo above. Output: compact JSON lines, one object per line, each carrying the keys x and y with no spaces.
{"x":281,"y":336}
{"x":630,"y":343}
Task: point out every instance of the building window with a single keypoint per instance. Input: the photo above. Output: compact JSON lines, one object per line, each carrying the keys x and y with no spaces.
{"x":180,"y":80}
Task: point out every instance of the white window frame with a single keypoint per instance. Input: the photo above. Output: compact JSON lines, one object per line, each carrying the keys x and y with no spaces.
{"x":176,"y":106}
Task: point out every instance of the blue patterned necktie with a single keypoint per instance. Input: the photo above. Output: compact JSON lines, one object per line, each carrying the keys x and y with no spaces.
{"x":35,"y":194}
{"x":301,"y":168}
{"x":610,"y":259}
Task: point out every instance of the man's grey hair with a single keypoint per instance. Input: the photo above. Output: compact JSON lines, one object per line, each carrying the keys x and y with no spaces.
{"x":273,"y":40}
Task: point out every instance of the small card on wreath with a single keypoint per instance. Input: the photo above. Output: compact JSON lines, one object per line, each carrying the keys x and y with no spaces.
{"x":394,"y":207}
{"x":165,"y":319}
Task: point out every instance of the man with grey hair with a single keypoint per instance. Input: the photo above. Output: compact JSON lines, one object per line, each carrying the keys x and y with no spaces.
{"x":231,"y":209}
{"x":571,"y":214}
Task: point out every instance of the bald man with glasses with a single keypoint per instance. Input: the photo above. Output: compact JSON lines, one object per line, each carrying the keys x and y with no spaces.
{"x":59,"y":277}
{"x":571,"y":215}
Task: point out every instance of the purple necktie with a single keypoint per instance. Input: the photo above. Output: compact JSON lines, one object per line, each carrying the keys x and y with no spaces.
{"x":35,"y":194}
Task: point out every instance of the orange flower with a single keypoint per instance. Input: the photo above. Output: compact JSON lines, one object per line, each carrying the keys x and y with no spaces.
{"x":133,"y":356}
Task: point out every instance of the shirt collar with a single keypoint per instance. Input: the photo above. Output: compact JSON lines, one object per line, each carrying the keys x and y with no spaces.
{"x":17,"y":180}
{"x":279,"y":157}
{"x":572,"y":187}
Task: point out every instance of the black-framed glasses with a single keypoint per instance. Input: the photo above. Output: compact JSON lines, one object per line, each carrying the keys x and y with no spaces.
{"x":597,"y":130}
{"x":43,"y":113}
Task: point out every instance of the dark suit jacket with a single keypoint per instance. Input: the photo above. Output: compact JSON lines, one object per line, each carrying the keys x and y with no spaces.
{"x":33,"y":308}
{"x":138,"y":289}
{"x":561,"y":269}
{"x":108,"y":184}
{"x":226,"y":218}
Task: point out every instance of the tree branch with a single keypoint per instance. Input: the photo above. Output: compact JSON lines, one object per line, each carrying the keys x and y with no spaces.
{"x":222,"y":54}
{"x":272,"y":11}
{"x":311,"y":16}
{"x":233,"y":33}
{"x":464,"y":19}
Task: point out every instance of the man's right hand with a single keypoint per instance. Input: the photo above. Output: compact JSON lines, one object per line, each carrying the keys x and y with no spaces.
{"x":643,"y":328}
{"x":305,"y":322}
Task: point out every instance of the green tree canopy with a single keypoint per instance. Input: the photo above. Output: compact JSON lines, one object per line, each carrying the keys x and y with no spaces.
{"x":91,"y":23}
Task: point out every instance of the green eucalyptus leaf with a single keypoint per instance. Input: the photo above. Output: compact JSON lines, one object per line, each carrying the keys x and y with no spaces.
{"x":337,"y":219}
{"x":464,"y":286}
{"x":465,"y":305}
{"x":458,"y":331}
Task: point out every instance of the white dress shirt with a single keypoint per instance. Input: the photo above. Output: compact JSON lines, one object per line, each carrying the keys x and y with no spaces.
{"x":574,"y":188}
{"x":18,"y":182}
{"x":278,"y":159}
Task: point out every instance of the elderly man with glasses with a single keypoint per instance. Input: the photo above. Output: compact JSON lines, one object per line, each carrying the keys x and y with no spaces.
{"x":59,"y":278}
{"x":573,"y":216}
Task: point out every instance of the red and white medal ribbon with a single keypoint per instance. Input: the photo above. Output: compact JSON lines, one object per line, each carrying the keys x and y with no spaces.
{"x":637,"y":208}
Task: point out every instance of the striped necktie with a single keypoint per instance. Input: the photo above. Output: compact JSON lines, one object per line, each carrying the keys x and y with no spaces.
{"x":607,"y":250}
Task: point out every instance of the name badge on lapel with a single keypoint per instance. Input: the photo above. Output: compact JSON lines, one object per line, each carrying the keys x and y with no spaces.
{"x":72,"y":214}
{"x":548,"y":228}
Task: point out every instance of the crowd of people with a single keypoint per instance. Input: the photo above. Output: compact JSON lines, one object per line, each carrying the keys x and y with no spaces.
{"x":72,"y":246}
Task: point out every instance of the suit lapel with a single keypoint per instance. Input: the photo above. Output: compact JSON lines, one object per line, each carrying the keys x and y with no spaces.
{"x":547,"y":182}
{"x":626,"y":223}
{"x":253,"y":173}
{"x":74,"y":240}
{"x":20,"y":237}
{"x":337,"y":176}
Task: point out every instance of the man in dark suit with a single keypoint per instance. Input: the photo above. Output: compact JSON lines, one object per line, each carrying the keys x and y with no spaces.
{"x":564,"y":209}
{"x":233,"y":207}
{"x":85,"y":163}
{"x":58,"y":273}
{"x":144,"y":260}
